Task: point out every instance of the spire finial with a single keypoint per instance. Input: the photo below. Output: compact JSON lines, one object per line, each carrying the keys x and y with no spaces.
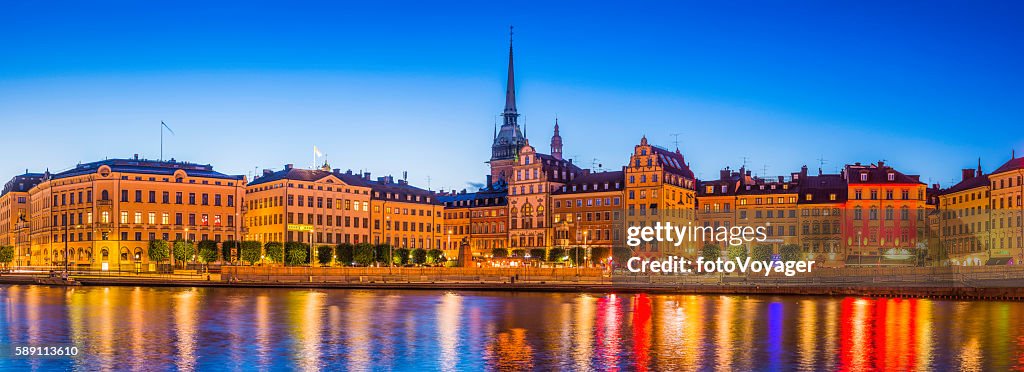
{"x":510,"y":87}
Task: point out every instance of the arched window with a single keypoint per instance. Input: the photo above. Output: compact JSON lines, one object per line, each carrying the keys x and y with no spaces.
{"x":105,"y":195}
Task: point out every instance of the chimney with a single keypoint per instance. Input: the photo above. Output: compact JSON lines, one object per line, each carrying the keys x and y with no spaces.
{"x":489,"y":181}
{"x":136,"y":156}
{"x":289,"y":166}
{"x":723,"y":174}
{"x":405,"y":175}
{"x":267,"y":172}
{"x":966,"y":174}
{"x":881,"y":163}
{"x":781,"y":179}
{"x":336,"y":171}
{"x":366,"y":176}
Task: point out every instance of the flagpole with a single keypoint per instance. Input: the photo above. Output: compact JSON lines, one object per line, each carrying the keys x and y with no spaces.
{"x":161,"y":141}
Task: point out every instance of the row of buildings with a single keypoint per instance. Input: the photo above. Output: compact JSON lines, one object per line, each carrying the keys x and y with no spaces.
{"x":103,"y":214}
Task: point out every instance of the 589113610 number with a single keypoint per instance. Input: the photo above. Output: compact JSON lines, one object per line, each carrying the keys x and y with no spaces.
{"x":45,"y":351}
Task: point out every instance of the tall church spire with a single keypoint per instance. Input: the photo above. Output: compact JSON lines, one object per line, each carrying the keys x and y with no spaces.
{"x":510,"y":88}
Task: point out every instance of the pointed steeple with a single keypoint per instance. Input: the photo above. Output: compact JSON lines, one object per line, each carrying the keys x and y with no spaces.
{"x":556,"y":142}
{"x":979,"y":167}
{"x":510,"y":87}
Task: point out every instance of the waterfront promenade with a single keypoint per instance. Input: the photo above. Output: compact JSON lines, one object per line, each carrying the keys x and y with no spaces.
{"x":984,"y":283}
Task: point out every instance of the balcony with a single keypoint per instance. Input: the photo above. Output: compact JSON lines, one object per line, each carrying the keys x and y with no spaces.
{"x":104,"y":203}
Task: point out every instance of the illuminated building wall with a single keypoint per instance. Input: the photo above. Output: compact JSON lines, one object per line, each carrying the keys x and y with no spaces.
{"x":336,"y":205}
{"x":108,"y":211}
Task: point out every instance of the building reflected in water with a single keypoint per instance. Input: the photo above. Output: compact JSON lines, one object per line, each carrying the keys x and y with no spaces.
{"x":240,"y":329}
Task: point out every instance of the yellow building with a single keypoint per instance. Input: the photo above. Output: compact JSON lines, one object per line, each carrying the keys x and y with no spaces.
{"x":588,"y":212}
{"x":322,"y":206}
{"x":105,"y":213}
{"x":660,"y":187}
{"x":716,"y":200}
{"x":771,"y":203}
{"x":15,"y":215}
{"x":480,"y":217}
{"x":1007,"y":183}
{"x":405,"y":216}
{"x":964,"y":224}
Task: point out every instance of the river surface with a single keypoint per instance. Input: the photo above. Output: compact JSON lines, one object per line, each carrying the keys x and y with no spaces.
{"x":139,"y":328}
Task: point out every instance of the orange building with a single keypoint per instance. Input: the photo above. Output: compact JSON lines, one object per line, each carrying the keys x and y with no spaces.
{"x":481,"y":217}
{"x":771,"y":203}
{"x":884,"y":211}
{"x":321,"y":206}
{"x":588,"y":211}
{"x":105,"y":213}
{"x":821,"y":204}
{"x":405,"y":216}
{"x":659,"y":186}
{"x":15,"y":215}
{"x":1007,"y":184}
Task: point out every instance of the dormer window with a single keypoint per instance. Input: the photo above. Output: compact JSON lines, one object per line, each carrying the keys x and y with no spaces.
{"x":808,"y":197}
{"x":892,"y":176}
{"x":863,"y":177}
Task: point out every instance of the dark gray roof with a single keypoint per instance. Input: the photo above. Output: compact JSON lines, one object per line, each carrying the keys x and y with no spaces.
{"x":154,"y":167}
{"x":22,"y":183}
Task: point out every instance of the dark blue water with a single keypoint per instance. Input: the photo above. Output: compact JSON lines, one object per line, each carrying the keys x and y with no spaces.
{"x":125,"y":328}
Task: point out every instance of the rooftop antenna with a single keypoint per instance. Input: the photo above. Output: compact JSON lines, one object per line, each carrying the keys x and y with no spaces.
{"x":428,"y":182}
{"x":597,"y":167}
{"x":745,"y":162}
{"x":821,"y":163}
{"x":676,"y":141}
{"x":764,"y":171}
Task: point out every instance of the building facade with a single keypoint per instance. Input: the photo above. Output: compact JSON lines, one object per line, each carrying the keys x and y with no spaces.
{"x":15,"y":215}
{"x":318,"y":206}
{"x":885,"y":216}
{"x":659,"y":186}
{"x":480,"y":217}
{"x":405,"y":216}
{"x":1007,"y":186}
{"x":535,"y":177}
{"x":587,"y":212}
{"x":965,"y":221}
{"x":104,"y":214}
{"x":820,"y":205}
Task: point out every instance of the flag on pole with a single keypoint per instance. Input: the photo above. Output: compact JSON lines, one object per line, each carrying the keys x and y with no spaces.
{"x":165,"y":126}
{"x":316,"y":152}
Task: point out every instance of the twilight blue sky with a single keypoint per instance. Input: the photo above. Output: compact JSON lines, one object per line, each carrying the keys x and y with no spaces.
{"x":409,"y":86}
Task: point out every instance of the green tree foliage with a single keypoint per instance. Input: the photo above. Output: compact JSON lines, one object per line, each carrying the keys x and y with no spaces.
{"x":538,"y":254}
{"x":363,"y":254}
{"x":621,"y":255}
{"x":577,"y":255}
{"x":736,"y":251}
{"x":400,"y":257}
{"x":790,"y":252}
{"x":6,"y":254}
{"x":518,"y":253}
{"x":183,"y":251}
{"x":274,"y":252}
{"x":207,"y":249}
{"x":599,"y":255}
{"x":499,"y":253}
{"x":250,"y":252}
{"x":324,"y":254}
{"x":158,"y":251}
{"x":207,"y":254}
{"x":761,"y":252}
{"x":556,"y":254}
{"x":419,"y":256}
{"x":711,"y":252}
{"x":382,"y":253}
{"x":345,"y":252}
{"x":435,"y":257}
{"x":226,"y":248}
{"x":292,"y":257}
{"x":296,"y":257}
